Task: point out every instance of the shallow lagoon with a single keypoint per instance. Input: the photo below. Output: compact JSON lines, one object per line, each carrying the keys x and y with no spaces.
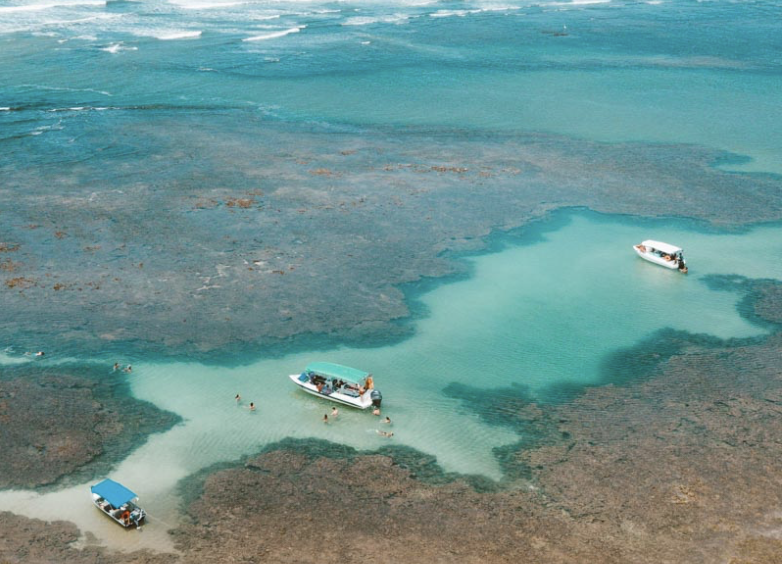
{"x":529,"y":317}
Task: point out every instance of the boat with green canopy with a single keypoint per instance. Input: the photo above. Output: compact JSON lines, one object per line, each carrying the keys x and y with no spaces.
{"x":341,"y":384}
{"x":118,"y":503}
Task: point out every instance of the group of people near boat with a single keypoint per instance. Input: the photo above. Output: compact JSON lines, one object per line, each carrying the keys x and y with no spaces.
{"x":238,"y":400}
{"x":325,"y":386}
{"x":376,"y":411}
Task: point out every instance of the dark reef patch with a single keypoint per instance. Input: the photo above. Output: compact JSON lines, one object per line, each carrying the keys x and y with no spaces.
{"x":69,"y":422}
{"x":761,"y":301}
{"x":419,"y":466}
{"x":497,"y":406}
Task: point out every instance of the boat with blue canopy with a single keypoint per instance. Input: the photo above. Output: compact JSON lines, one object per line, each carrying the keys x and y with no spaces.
{"x":118,"y":502}
{"x":341,"y":384}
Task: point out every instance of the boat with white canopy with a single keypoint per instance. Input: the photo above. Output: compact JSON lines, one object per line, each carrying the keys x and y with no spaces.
{"x":340,"y":384}
{"x":118,"y":502}
{"x":663,"y":254}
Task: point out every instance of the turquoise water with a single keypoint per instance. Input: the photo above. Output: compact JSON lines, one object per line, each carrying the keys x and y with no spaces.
{"x":679,"y":71}
{"x":103,"y":100}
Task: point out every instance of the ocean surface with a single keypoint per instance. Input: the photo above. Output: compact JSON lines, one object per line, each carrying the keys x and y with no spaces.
{"x":83,"y":84}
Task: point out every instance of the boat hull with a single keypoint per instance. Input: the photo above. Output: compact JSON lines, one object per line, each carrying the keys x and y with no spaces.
{"x":363,"y":401}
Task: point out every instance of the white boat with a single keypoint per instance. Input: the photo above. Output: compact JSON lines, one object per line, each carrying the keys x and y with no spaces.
{"x":661,"y":253}
{"x":340,"y":384}
{"x":118,"y":502}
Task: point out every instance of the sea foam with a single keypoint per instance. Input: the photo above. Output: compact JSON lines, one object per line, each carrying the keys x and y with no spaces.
{"x":117,"y":47}
{"x":367,"y":20}
{"x":169,"y":34}
{"x":49,"y":6}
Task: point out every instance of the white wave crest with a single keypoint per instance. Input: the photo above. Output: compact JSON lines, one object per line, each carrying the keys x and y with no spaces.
{"x":169,"y":34}
{"x":207,"y":4}
{"x":449,"y":13}
{"x":64,"y":89}
{"x":49,"y":6}
{"x":367,"y":20}
{"x":576,"y":3}
{"x":275,"y":34}
{"x":499,"y":8}
{"x":84,"y":109}
{"x":117,"y":47}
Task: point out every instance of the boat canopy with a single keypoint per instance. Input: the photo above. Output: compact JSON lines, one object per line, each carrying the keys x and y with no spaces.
{"x":116,"y":494}
{"x":330,"y":370}
{"x":660,"y":246}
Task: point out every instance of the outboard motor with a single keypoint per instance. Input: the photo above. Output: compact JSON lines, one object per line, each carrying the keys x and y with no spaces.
{"x":376,"y":397}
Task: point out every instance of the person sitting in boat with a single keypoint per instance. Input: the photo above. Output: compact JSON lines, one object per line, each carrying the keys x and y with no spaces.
{"x":370,"y":384}
{"x":126,"y":517}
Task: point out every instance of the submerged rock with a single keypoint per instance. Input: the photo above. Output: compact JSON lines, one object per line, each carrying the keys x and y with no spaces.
{"x":68,"y":421}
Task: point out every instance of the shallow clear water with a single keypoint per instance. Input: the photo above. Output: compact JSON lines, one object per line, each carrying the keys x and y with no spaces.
{"x":534,"y":315}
